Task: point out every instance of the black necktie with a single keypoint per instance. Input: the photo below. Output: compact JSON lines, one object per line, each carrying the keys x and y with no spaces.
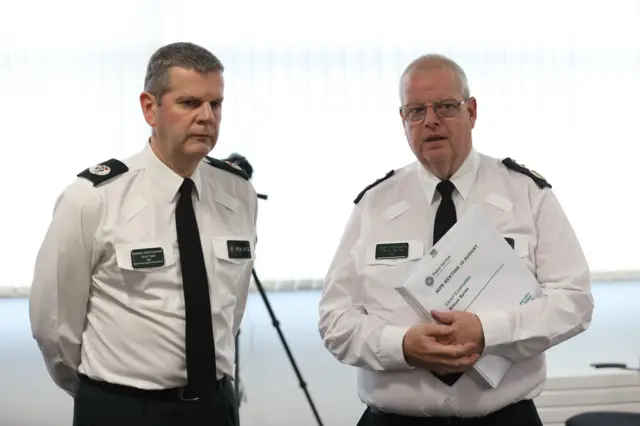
{"x":445,"y":218}
{"x":200,"y":349}
{"x":446,"y":214}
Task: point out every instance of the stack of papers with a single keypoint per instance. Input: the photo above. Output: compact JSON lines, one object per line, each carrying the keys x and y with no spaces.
{"x":472,"y":268}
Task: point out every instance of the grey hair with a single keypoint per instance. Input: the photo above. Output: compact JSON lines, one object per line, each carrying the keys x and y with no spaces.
{"x":432,"y":61}
{"x":183,"y":55}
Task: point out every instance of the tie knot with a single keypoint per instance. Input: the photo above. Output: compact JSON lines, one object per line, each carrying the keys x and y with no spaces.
{"x":445,"y":188}
{"x":187,"y":187}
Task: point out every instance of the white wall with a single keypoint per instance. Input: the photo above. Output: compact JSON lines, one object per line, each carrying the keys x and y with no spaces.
{"x":28,"y":398}
{"x":311,"y":100}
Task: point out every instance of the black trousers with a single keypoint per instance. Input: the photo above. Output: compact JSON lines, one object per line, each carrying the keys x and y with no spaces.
{"x":101,"y":404}
{"x":523,"y":413}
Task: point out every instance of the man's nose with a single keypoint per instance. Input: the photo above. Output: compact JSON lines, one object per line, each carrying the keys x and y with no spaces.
{"x":431,"y":119}
{"x":205,"y":113}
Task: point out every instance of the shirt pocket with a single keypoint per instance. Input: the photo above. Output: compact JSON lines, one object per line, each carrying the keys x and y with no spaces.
{"x":233,"y":250}
{"x":149,"y":273}
{"x":233,"y":259}
{"x":386,"y":269}
{"x":519,"y":244}
{"x":523,"y":249}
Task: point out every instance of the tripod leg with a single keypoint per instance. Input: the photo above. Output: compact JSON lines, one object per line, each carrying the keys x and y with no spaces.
{"x":276,"y":324}
{"x":237,"y":381}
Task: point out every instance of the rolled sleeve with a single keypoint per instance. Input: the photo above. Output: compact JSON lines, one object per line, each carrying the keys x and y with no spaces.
{"x":565,"y":307}
{"x":391,"y":351}
{"x":352,"y":335}
{"x":496,"y":328}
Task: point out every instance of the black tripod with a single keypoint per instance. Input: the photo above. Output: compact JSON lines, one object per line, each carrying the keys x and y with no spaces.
{"x":242,"y":163}
{"x":276,"y":324}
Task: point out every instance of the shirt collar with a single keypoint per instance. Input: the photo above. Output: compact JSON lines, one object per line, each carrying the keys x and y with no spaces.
{"x":166,"y":180}
{"x":463,"y":178}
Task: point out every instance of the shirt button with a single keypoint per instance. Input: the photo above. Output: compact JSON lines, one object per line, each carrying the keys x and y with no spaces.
{"x":450,"y":404}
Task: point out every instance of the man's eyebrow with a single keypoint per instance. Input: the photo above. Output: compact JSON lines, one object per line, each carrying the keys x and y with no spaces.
{"x":184,"y":97}
{"x":187,"y":96}
{"x":439,"y":101}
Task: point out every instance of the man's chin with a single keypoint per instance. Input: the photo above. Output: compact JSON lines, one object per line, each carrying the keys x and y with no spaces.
{"x":435,"y":159}
{"x":199,"y":147}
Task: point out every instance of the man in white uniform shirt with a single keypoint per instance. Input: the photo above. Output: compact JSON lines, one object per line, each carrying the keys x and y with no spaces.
{"x":413,"y":373}
{"x":141,"y":282}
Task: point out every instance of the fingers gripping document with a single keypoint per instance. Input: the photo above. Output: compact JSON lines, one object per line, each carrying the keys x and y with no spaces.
{"x":472,"y":268}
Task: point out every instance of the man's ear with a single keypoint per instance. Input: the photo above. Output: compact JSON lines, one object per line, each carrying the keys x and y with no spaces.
{"x":149,"y":108}
{"x":403,"y":121}
{"x":472,"y":107}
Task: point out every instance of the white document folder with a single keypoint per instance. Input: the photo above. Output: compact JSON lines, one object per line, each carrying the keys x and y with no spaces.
{"x":472,"y":268}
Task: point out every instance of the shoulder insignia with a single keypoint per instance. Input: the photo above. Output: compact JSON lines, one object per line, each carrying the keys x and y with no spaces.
{"x":228,"y":166}
{"x":377,"y":182}
{"x":537,"y":177}
{"x":104,"y":171}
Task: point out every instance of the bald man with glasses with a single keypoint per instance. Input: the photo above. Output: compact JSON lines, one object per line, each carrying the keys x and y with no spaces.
{"x":416,"y":373}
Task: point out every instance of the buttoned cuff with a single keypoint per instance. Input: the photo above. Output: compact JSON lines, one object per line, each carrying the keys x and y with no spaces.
{"x":496,"y":327}
{"x":390,"y":353}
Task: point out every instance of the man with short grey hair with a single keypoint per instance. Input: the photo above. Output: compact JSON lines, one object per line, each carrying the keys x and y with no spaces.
{"x":141,"y":281}
{"x":413,"y":373}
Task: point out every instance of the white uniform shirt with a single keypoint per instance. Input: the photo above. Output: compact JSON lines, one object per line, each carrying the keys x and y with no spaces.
{"x":363,"y":319}
{"x":92,"y":312}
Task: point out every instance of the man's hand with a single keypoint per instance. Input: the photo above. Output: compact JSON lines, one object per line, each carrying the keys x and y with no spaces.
{"x":422,"y":349}
{"x":466,"y":329}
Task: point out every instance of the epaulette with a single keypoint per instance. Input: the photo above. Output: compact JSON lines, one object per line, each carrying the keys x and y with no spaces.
{"x":228,"y":166}
{"x":377,"y":182}
{"x":537,"y":177}
{"x":104,"y":171}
